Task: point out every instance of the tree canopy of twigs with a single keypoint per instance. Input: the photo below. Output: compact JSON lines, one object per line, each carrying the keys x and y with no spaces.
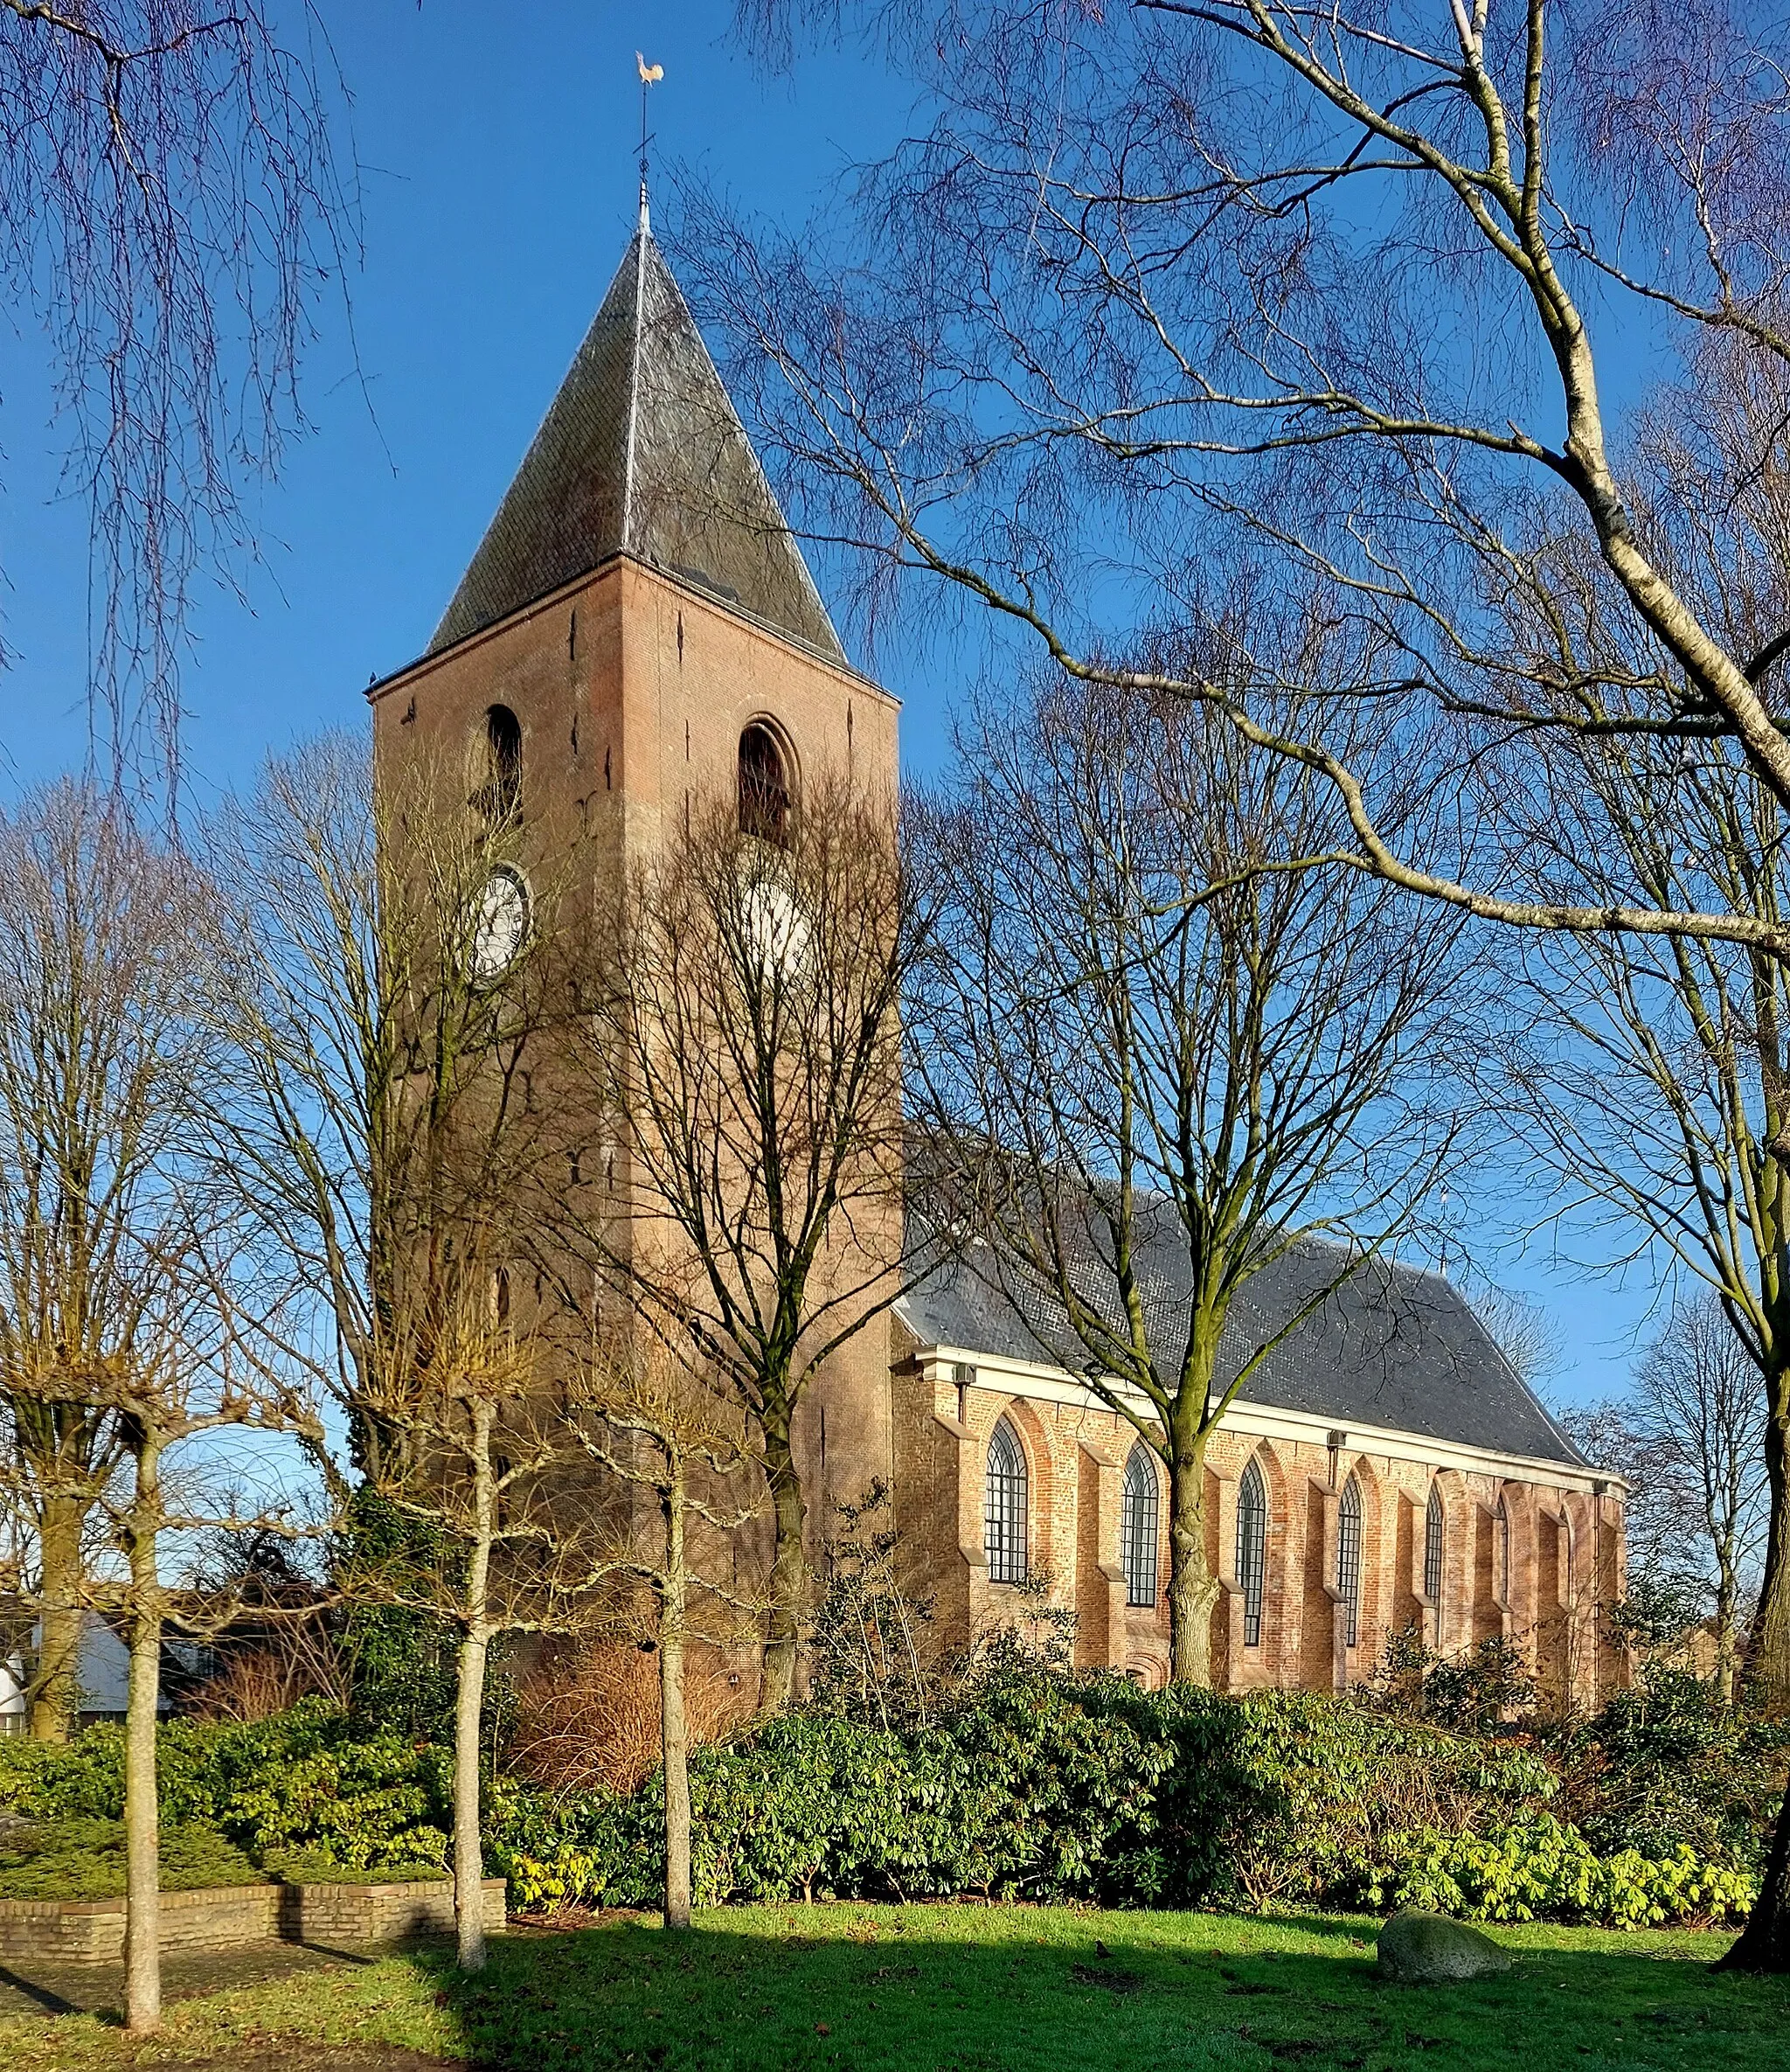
{"x":1686,"y":1437}
{"x":171,"y":210}
{"x":1342,"y":283}
{"x":1160,"y":1057}
{"x":667,"y":1432}
{"x":103,"y":1050}
{"x":746,"y":1054}
{"x":1162,"y":279}
{"x":135,"y":1333}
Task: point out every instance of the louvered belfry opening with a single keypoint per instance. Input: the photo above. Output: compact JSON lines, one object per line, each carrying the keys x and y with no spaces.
{"x":1253,"y":1549}
{"x":1003,"y":1516}
{"x":499,"y":795}
{"x":764,"y":786}
{"x":1140,"y":1507}
{"x":1349,"y":1557}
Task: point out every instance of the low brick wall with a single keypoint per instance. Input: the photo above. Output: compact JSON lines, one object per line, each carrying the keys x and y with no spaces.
{"x":378,"y":1913}
{"x":226,"y":1916}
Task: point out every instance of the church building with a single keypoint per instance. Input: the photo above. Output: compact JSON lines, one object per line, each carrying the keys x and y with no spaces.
{"x":638,"y":629}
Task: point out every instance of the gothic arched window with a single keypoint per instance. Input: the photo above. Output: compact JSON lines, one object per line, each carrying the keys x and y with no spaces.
{"x":1566,"y":1558}
{"x":1004,"y":1516}
{"x":1138,"y":1503}
{"x":764,"y":785}
{"x":499,"y":797}
{"x":1348,"y":1556}
{"x":1500,"y":1550}
{"x":1253,"y":1549}
{"x":1434,"y":1528}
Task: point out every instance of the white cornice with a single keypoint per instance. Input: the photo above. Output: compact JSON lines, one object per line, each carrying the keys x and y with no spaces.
{"x":1267,"y":1420}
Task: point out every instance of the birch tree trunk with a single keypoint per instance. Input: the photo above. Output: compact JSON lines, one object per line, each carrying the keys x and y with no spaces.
{"x":142,"y":1853}
{"x":469,"y":1706}
{"x":673,"y":1725}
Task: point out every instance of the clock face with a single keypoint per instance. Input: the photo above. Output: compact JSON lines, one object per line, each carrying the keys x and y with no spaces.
{"x":501,"y":927}
{"x":777,"y":929}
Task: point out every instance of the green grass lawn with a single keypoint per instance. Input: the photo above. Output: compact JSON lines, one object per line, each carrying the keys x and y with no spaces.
{"x":921,"y":1989}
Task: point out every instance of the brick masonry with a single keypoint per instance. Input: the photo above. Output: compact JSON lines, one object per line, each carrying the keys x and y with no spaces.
{"x":228,"y":1916}
{"x":1563,"y":1525}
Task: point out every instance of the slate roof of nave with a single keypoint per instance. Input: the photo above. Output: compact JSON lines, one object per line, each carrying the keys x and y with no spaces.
{"x":1389,"y":1345}
{"x":641,"y":452}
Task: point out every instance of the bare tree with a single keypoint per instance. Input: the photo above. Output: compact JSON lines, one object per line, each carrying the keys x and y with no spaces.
{"x":655,"y":1427}
{"x":482,"y":1469}
{"x":170,"y":211}
{"x":185,"y":1386}
{"x":1338,"y":282}
{"x":384,"y":1128}
{"x":1164,"y":1054}
{"x":102,"y":1051}
{"x":131,"y":1321}
{"x":380,"y":1113}
{"x":744,"y":1058}
{"x":1688,"y":1436}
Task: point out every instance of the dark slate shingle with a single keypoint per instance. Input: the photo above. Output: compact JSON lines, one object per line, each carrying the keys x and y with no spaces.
{"x":1387,"y":1344}
{"x":641,"y":452}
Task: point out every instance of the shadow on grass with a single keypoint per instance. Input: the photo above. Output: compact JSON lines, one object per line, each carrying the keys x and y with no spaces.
{"x":944,"y":1989}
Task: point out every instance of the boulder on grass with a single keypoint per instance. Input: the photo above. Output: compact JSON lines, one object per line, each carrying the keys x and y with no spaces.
{"x":1431,"y":1949}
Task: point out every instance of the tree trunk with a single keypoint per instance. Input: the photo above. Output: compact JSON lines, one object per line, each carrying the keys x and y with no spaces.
{"x":56,"y":1694}
{"x":468,"y":1851}
{"x":788,"y":1568}
{"x":1768,"y":1655}
{"x":1764,"y":1943}
{"x":1727,"y":1601}
{"x":142,"y":1849}
{"x":469,"y":1704}
{"x":1193,"y":1589}
{"x":673,"y":1727}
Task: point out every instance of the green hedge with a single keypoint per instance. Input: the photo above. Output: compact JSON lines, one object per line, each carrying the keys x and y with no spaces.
{"x":1057,"y":1789}
{"x":305,"y":1786}
{"x":1043,"y":1786}
{"x":84,"y":1859}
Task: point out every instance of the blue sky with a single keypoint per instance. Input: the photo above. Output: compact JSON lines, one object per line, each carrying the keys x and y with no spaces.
{"x":499,"y":188}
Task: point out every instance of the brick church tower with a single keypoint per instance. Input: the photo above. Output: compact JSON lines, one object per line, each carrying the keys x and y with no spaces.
{"x":637,"y":629}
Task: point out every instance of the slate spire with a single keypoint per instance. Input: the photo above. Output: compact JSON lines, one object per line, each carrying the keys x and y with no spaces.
{"x":642,"y":453}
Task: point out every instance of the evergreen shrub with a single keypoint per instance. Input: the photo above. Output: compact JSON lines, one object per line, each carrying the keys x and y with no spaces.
{"x":309,"y":1780}
{"x":1033,"y":1784}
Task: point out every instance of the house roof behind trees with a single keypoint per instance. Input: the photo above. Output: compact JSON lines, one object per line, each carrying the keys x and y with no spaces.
{"x":1385,"y":1345}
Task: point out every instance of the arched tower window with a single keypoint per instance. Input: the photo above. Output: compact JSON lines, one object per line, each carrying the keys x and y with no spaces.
{"x":1004,"y":1516}
{"x":1138,"y":1501}
{"x":1348,"y":1556}
{"x":1253,"y":1549}
{"x":499,"y":795}
{"x":1500,"y":1550}
{"x":1434,"y":1528}
{"x":764,"y":786}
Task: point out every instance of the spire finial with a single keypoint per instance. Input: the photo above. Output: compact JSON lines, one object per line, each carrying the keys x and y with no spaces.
{"x":649,"y":77}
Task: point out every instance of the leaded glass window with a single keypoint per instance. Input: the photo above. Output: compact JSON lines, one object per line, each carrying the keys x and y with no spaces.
{"x":1253,"y":1549}
{"x":1004,"y":1515}
{"x":1348,"y":1556}
{"x":1501,"y":1527}
{"x":1139,"y":1502}
{"x":1434,"y":1528}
